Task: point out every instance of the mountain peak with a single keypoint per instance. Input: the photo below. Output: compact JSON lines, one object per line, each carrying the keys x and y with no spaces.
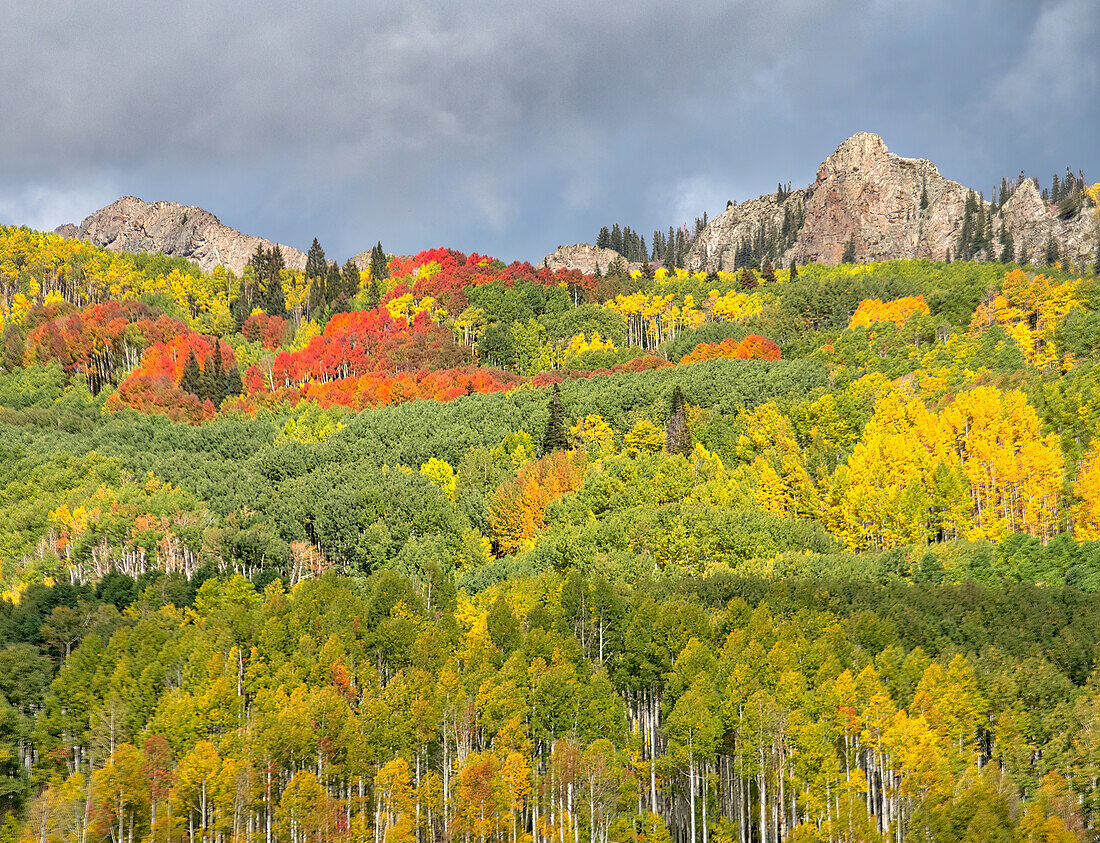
{"x":130,"y":224}
{"x":879,"y":206}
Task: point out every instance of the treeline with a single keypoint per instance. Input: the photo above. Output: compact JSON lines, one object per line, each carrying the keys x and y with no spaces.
{"x":668,"y":249}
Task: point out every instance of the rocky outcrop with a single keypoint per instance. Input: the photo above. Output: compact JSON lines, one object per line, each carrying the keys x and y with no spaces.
{"x":1033,"y":222}
{"x":132,"y":225}
{"x":887,"y":207}
{"x":585,"y":257}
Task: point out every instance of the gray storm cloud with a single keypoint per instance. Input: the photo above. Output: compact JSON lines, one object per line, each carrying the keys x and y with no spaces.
{"x":509,"y":127}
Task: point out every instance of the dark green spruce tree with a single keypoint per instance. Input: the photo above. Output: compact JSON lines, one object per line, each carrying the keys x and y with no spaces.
{"x":268,"y":266}
{"x":316,"y":274}
{"x":351,"y":277}
{"x":379,"y":269}
{"x":316,"y":265}
{"x":678,"y":438}
{"x":849,"y":255}
{"x":334,"y":285}
{"x":234,"y":386}
{"x":191,"y":379}
{"x":555,"y":439}
{"x":768,"y":272}
{"x":216,"y":363}
{"x":794,"y":269}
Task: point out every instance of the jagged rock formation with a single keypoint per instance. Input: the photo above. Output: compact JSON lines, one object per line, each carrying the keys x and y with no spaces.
{"x":887,"y":207}
{"x":132,"y":225}
{"x":585,"y":257}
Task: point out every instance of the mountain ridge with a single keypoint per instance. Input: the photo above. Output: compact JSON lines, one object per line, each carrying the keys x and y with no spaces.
{"x":130,"y":224}
{"x":865,"y":201}
{"x":887,"y":207}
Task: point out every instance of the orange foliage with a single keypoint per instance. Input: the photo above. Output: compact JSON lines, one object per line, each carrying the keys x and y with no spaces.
{"x":897,"y":311}
{"x":153,"y":387}
{"x":269,"y":331}
{"x":376,"y":389}
{"x":517,"y":511}
{"x":752,"y":347}
{"x":444,"y":274}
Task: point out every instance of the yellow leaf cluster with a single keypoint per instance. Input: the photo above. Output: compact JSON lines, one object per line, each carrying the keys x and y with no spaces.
{"x":1030,"y":310}
{"x":898,"y":311}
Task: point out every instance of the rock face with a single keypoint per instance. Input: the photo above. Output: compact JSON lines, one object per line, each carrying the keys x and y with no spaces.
{"x":585,"y":257}
{"x":131,"y":225}
{"x":866,"y":195}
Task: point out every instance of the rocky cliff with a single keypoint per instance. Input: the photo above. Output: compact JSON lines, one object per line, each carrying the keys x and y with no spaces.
{"x":132,"y":225}
{"x":585,"y":257}
{"x":888,"y":207}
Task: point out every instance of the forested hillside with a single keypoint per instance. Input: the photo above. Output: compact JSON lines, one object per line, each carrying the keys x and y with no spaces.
{"x":443,"y":549}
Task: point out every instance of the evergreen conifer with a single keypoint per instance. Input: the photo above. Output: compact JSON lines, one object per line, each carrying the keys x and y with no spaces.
{"x":351,"y":278}
{"x":191,"y":379}
{"x":379,"y":266}
{"x":849,"y":255}
{"x":768,"y":272}
{"x":233,"y":384}
{"x":316,"y":265}
{"x":555,"y":439}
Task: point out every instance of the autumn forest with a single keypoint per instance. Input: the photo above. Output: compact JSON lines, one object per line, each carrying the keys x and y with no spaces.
{"x":439,"y":549}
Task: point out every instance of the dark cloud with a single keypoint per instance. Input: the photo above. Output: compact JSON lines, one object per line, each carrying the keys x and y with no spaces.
{"x":510,"y":127}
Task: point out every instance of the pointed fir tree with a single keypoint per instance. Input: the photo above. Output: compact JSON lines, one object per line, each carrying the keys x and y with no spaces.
{"x":316,"y":265}
{"x":923,"y":195}
{"x":207,"y":387}
{"x":274,"y":298}
{"x":616,"y":241}
{"x":747,"y":280}
{"x":555,"y":439}
{"x":216,"y":364}
{"x":351,"y":278}
{"x":379,"y":266}
{"x":234,"y":386}
{"x":334,"y":287}
{"x":316,"y":274}
{"x":768,"y":272}
{"x":191,"y":379}
{"x":678,"y":438}
{"x":794,"y":269}
{"x":849,"y":255}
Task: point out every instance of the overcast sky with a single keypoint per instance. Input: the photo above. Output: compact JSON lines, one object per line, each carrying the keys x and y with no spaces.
{"x":511,"y":126}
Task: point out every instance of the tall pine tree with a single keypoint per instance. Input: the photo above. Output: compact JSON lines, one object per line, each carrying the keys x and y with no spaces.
{"x":351,"y":278}
{"x":555,"y":439}
{"x":849,"y":255}
{"x":191,"y":378}
{"x":316,"y":274}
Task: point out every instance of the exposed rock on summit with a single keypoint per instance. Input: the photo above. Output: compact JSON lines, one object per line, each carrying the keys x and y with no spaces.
{"x":132,"y":225}
{"x":887,"y":207}
{"x":585,"y":257}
